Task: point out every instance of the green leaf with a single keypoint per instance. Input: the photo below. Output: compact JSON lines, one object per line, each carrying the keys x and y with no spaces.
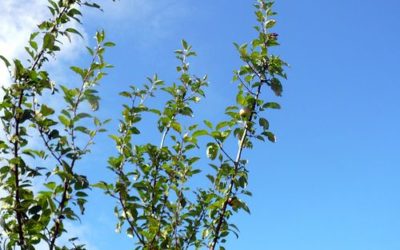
{"x":81,"y":194}
{"x":45,"y":110}
{"x":263,"y":123}
{"x":208,"y":124}
{"x":200,"y":133}
{"x":78,"y":70}
{"x":129,"y":232}
{"x":176,"y":126}
{"x":74,"y":12}
{"x":270,"y":23}
{"x":109,"y":44}
{"x":272,"y":105}
{"x":64,"y":120}
{"x":82,"y":115}
{"x":276,"y":86}
{"x":155,"y":111}
{"x":100,"y":36}
{"x":74,"y":31}
{"x":48,"y":41}
{"x":92,"y":5}
{"x":271,"y":137}
{"x":212,"y":151}
{"x":103,"y":185}
{"x":6,"y":62}
{"x":185,"y":44}
{"x":93,"y":101}
{"x":240,"y":99}
{"x":115,"y":138}
{"x":222,"y":125}
{"x":50,"y":185}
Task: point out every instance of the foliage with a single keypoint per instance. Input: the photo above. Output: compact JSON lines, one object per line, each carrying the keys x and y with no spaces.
{"x":30,"y":217}
{"x":157,"y":201}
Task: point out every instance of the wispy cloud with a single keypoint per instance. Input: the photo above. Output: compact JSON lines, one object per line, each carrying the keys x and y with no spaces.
{"x":17,"y":21}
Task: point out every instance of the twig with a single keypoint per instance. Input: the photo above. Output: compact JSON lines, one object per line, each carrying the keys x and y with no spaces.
{"x":236,"y":167}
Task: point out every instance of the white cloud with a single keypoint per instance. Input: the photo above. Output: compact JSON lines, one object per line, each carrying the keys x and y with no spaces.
{"x":18,"y":20}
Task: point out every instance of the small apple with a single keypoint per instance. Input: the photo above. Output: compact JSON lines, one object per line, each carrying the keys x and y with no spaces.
{"x":245,"y":112}
{"x":232,"y":201}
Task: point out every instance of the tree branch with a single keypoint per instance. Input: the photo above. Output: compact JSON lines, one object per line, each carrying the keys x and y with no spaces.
{"x":236,"y":167}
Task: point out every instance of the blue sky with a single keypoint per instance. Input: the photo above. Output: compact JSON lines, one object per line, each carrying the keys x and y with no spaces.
{"x":331,"y":180}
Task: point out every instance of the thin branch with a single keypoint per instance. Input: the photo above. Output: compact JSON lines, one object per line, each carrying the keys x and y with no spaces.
{"x":164,"y":135}
{"x":131,"y":223}
{"x":236,"y":168}
{"x":245,"y":85}
{"x":163,"y":138}
{"x":67,"y":181}
{"x":16,"y":174}
{"x":63,"y":203}
{"x":224,"y":151}
{"x":119,"y":197}
{"x":19,"y":213}
{"x":262,"y":78}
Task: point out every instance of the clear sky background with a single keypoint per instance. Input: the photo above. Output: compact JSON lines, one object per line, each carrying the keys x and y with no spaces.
{"x":331,"y":182}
